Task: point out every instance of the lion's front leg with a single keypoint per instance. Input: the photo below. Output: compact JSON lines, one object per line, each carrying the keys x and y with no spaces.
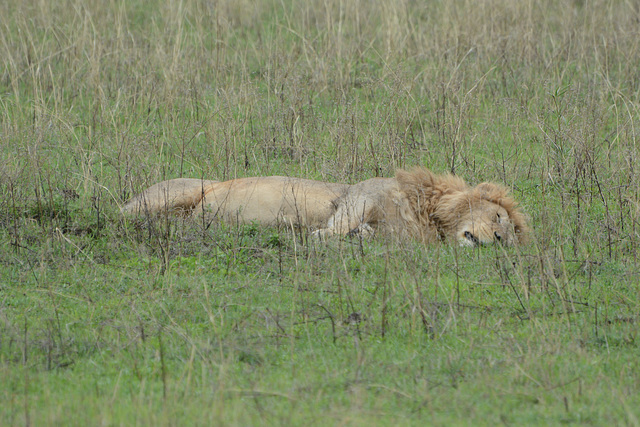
{"x":351,"y":218}
{"x":363,"y":230}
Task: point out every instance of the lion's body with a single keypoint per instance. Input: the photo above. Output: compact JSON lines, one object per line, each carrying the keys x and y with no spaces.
{"x":416,"y":204}
{"x":271,"y":200}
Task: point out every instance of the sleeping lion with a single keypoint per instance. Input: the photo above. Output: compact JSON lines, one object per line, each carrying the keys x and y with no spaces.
{"x":417,"y":204}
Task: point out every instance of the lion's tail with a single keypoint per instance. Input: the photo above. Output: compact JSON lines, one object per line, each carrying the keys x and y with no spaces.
{"x":179,"y":196}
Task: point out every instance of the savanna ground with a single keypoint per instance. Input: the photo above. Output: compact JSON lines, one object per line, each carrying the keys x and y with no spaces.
{"x":141,"y":321}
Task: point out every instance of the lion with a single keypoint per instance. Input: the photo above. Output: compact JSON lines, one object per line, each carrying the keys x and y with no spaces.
{"x":416,"y":204}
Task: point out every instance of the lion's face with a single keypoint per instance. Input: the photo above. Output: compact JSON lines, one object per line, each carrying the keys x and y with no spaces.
{"x":486,"y":223}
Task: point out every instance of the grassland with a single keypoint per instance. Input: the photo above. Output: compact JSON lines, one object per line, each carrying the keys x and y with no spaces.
{"x":121,"y":321}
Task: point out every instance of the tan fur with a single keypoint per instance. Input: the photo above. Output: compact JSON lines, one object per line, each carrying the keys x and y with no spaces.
{"x":416,"y":204}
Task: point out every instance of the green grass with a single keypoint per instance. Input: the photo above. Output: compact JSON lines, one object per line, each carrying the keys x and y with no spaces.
{"x":112,"y":320}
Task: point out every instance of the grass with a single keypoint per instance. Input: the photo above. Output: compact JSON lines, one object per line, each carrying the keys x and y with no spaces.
{"x":121,"y":321}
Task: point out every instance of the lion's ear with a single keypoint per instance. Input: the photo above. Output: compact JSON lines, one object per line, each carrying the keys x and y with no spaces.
{"x":490,"y":191}
{"x":520,"y":224}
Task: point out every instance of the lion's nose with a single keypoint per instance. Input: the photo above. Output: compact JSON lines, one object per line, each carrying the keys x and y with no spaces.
{"x":498,"y":237}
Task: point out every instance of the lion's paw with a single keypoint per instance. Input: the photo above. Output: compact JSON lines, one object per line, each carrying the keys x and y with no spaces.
{"x":363,"y":230}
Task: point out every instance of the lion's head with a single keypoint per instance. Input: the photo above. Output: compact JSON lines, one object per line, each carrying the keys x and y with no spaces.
{"x":486,"y":223}
{"x":481,"y":215}
{"x":473,"y":216}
